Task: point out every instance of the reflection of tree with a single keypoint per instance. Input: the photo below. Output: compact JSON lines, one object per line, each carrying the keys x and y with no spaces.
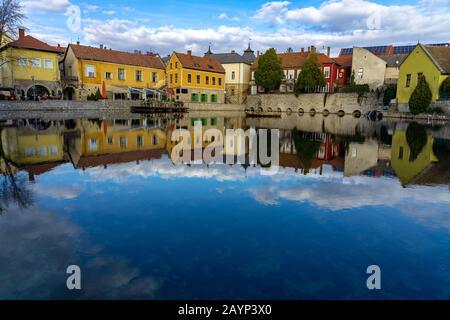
{"x":306,"y":148}
{"x":416,"y":136}
{"x":441,"y":149}
{"x":13,"y":187}
{"x":346,"y":140}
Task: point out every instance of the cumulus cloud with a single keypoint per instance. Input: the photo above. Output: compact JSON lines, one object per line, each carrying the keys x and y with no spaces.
{"x":109,"y":12}
{"x":225,"y":16}
{"x":46,"y":6}
{"x":337,"y":24}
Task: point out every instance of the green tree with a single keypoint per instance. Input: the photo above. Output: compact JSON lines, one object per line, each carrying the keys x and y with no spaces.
{"x":444,"y":91}
{"x":269,"y":72}
{"x":420,"y":99}
{"x":389,"y":94}
{"x":98,"y":95}
{"x":416,"y":136}
{"x":311,"y":75}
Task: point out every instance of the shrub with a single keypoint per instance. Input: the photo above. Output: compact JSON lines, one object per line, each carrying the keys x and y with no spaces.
{"x":444,"y":90}
{"x":420,"y":99}
{"x":389,"y":94}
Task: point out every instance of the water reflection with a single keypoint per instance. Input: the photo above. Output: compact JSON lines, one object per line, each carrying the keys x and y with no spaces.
{"x":103,"y":193}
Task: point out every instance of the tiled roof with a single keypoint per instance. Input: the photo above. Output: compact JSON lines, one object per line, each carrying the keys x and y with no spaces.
{"x":29,"y":42}
{"x":119,"y":57}
{"x":206,"y":63}
{"x":441,"y":57}
{"x":226,"y":58}
{"x":344,"y":60}
{"x":295,"y":60}
{"x":394,"y":60}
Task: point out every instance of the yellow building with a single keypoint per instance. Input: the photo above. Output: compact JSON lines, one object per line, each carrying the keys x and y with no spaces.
{"x":433,"y":62}
{"x":405,"y":167}
{"x":30,"y":66}
{"x":122,"y":75}
{"x":195,"y":79}
{"x":237,"y":74}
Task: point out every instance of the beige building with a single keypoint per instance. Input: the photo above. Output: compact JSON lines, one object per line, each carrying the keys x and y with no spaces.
{"x":237,"y":74}
{"x":368,"y":68}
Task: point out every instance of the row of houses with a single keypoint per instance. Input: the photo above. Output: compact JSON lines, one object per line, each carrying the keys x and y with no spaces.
{"x":35,"y":69}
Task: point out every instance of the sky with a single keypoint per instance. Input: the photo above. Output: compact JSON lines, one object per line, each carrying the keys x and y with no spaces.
{"x":167,"y":26}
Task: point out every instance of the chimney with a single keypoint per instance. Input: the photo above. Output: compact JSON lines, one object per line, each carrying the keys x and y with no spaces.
{"x":101,"y":46}
{"x":21,"y":33}
{"x":59,"y":46}
{"x":78,"y":43}
{"x":302,"y":50}
{"x":189,"y":53}
{"x":257,"y":53}
{"x":232,"y":51}
{"x":136,"y":52}
{"x":329,"y":51}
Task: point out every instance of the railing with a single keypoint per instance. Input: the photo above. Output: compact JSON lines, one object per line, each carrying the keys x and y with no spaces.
{"x":69,"y":78}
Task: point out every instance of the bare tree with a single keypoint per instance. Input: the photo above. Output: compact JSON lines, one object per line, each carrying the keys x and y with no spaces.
{"x":11,"y":15}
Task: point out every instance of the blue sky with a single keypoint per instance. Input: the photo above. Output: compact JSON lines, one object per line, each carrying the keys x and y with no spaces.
{"x":166,"y":26}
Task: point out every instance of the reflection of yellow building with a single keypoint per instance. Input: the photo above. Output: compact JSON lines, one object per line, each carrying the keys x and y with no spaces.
{"x":405,"y":169}
{"x":119,"y":136}
{"x":26,"y":147}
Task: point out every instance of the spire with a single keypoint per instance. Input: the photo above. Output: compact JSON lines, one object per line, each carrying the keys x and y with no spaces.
{"x":209,"y":52}
{"x":249,"y":54}
{"x":249,"y":49}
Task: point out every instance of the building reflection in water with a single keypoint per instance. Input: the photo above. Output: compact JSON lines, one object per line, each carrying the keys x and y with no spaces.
{"x":416,"y":154}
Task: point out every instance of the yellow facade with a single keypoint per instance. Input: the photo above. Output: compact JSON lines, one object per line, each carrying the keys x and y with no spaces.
{"x":418,"y":62}
{"x":118,"y":78}
{"x":192,"y":85}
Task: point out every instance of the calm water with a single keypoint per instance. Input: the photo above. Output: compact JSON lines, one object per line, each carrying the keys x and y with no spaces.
{"x":105,"y":195}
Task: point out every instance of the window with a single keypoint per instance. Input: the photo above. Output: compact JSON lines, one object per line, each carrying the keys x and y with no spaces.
{"x":110,"y":140}
{"x":220,"y":81}
{"x":176,"y":77}
{"x":207,"y":80}
{"x":108,"y":75}
{"x":176,"y":65}
{"x":140,"y":141}
{"x":189,"y":78}
{"x":408,"y":80}
{"x":360,"y":73}
{"x":90,"y":71}
{"x":171,"y":78}
{"x":400,"y":153}
{"x":36,"y":63}
{"x":53,"y":150}
{"x":154,"y":77}
{"x":204,"y":98}
{"x":23,"y":62}
{"x":213,"y":98}
{"x":155,"y":140}
{"x":121,"y":74}
{"x":213,"y":121}
{"x":327,"y":72}
{"x":29,"y":152}
{"x":48,"y":64}
{"x":184,"y":91}
{"x":123,"y":142}
{"x":419,"y":76}
{"x":93,"y":144}
{"x":214,"y":81}
{"x":138,"y":75}
{"x":42,"y":152}
{"x":194,"y":97}
{"x":233,"y":75}
{"x":198,"y":79}
{"x":171,"y":66}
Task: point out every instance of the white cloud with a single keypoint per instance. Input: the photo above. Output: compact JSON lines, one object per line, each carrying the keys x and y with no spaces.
{"x":272,"y":12}
{"x":45,"y":6}
{"x":91,"y":7}
{"x":334,"y":23}
{"x":109,"y":12}
{"x":224,"y":16}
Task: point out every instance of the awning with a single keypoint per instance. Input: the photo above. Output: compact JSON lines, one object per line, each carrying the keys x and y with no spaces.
{"x":115,"y":89}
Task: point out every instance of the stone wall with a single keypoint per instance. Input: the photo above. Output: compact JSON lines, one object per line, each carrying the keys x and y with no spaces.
{"x":319,"y":102}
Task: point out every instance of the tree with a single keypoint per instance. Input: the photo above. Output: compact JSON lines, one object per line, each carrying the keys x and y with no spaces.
{"x":269,"y":72}
{"x":389,"y":94}
{"x":11,"y":15}
{"x":420,"y":99}
{"x":416,"y":136}
{"x":444,"y":91}
{"x":98,"y":95}
{"x":311,"y":76}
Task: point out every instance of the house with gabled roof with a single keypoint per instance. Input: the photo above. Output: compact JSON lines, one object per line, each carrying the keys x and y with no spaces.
{"x":118,"y":75}
{"x":431,"y":62}
{"x":237,"y":73}
{"x":195,"y":79}
{"x":30,"y":67}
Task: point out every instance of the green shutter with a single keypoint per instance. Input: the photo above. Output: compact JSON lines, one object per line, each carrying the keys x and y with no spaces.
{"x":214,"y":98}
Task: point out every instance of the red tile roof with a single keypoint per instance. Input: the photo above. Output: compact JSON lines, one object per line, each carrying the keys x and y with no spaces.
{"x":29,"y":42}
{"x":206,"y":63}
{"x":344,"y":60}
{"x":119,"y":57}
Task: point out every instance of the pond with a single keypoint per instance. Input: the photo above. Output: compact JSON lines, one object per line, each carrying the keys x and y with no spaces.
{"x":106,"y":195}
